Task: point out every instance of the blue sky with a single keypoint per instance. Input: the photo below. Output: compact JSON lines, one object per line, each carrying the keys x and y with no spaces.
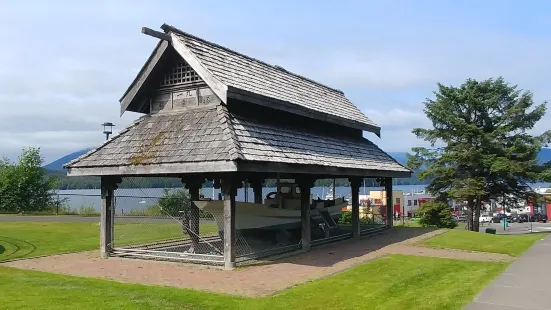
{"x":65,"y":64}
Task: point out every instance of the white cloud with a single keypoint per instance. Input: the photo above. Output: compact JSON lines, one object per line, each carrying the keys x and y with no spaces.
{"x":65,"y":70}
{"x":397,"y":118}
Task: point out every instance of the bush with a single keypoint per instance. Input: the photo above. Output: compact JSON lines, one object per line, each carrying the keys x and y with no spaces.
{"x":436,"y":214}
{"x":24,"y":186}
{"x":88,"y":210}
{"x":346,"y":217}
{"x":153,"y":210}
{"x":174,"y":201}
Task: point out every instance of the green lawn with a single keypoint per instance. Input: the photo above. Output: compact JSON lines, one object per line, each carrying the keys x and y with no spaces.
{"x":513,"y":245}
{"x":393,"y":282}
{"x":412,"y":224}
{"x":28,"y":239}
{"x":138,"y":233}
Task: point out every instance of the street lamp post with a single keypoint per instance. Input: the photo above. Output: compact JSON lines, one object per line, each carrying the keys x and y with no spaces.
{"x":107,"y":129}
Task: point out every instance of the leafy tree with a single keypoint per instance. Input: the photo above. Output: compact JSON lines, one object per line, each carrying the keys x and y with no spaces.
{"x":24,"y":187}
{"x":481,"y":148}
{"x":175,"y":201}
{"x":436,"y":214}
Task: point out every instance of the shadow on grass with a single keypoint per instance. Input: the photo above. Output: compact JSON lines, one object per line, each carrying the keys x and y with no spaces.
{"x":17,"y":248}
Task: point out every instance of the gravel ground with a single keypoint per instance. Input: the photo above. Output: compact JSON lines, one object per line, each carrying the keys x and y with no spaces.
{"x":260,"y":280}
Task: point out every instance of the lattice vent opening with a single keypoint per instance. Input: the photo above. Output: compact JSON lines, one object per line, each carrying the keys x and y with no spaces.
{"x":181,"y":73}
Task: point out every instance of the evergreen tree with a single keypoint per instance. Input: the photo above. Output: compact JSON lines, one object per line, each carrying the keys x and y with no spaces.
{"x":481,"y":148}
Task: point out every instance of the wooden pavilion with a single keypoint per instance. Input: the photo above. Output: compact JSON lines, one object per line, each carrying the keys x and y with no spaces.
{"x":212,"y":113}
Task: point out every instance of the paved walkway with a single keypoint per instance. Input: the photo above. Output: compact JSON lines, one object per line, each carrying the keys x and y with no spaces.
{"x":260,"y":280}
{"x":526,"y":284}
{"x":518,"y":228}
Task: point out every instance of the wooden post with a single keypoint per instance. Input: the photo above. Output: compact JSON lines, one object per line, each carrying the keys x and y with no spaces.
{"x":256,"y":184}
{"x":389,"y":202}
{"x":305,"y":184}
{"x":108,"y":186}
{"x":228,"y":190}
{"x":192,"y":227}
{"x":355,"y":187}
{"x":217,"y":184}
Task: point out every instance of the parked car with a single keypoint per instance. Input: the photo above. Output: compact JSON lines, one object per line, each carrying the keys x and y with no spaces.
{"x":461,"y":218}
{"x":519,"y":218}
{"x":484,"y":219}
{"x":499,"y":217}
{"x":537,"y":217}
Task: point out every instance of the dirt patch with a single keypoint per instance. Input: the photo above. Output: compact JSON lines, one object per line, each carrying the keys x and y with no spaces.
{"x":262,"y":280}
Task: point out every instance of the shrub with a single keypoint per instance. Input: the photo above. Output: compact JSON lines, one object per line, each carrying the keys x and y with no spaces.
{"x":88,"y":210}
{"x":346,"y":217}
{"x":24,"y":186}
{"x":153,"y":210}
{"x":173,"y":202}
{"x":436,"y":214}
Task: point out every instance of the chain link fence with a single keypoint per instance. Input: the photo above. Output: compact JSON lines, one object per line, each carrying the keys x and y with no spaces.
{"x":161,"y":223}
{"x":164,"y":224}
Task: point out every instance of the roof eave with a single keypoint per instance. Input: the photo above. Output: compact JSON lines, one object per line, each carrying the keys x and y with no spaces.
{"x":286,"y":168}
{"x":273,"y":103}
{"x":71,"y":163}
{"x":131,"y":94}
{"x":154,"y":169}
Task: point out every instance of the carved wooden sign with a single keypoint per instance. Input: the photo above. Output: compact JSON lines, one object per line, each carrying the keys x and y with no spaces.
{"x":207,"y":96}
{"x":182,"y":99}
{"x":186,"y":98}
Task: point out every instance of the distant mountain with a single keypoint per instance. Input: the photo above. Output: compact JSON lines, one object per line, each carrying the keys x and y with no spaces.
{"x":399,"y":157}
{"x":543,"y":156}
{"x":57,"y":165}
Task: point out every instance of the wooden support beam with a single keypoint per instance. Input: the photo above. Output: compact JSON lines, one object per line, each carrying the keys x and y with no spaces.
{"x":305,"y":183}
{"x":108,"y":187}
{"x":318,"y":170}
{"x":191,"y":218}
{"x":355,"y":187}
{"x":228,"y":190}
{"x":156,"y":34}
{"x":256,"y":184}
{"x":216,"y":183}
{"x":389,"y":203}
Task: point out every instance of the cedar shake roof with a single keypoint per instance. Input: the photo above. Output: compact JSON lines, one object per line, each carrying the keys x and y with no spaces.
{"x":245,"y":78}
{"x":208,"y":135}
{"x":244,"y":73}
{"x":189,"y":136}
{"x":269,"y":143}
{"x":214,"y":135}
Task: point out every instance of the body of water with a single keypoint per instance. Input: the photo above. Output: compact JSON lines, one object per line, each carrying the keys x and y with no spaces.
{"x":141,"y":198}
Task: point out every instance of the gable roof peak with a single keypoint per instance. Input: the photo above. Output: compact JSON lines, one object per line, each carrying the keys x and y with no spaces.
{"x":234,"y":76}
{"x":169,"y":28}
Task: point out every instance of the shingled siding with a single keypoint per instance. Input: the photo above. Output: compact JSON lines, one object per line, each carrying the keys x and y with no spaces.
{"x":197,"y":135}
{"x":260,"y":142}
{"x":242,"y":72}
